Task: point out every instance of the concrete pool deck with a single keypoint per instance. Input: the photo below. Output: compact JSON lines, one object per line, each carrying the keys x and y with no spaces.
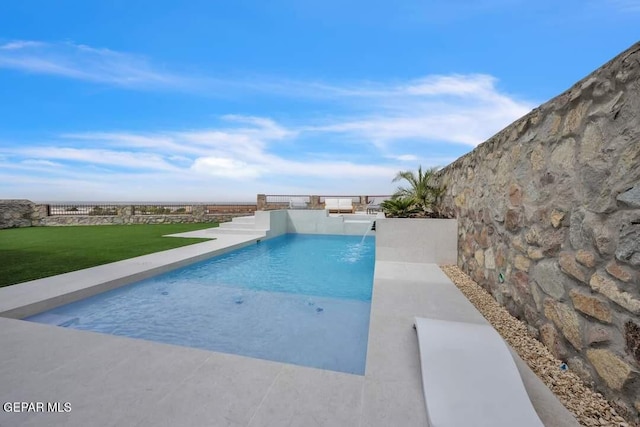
{"x":115,"y":381}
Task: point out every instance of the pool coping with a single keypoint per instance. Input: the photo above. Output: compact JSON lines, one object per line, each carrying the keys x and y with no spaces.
{"x":159,"y":384}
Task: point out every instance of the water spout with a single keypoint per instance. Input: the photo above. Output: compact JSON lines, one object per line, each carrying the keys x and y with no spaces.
{"x":369,"y":228}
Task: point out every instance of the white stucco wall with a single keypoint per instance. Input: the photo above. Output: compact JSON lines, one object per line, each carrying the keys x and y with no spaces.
{"x":417,"y":240}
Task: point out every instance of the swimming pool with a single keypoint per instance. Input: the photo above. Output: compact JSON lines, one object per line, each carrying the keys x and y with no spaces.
{"x":301,"y":299}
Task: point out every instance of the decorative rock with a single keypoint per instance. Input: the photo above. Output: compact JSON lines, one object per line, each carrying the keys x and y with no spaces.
{"x":576,"y":234}
{"x":535,"y":253}
{"x":574,"y":118}
{"x":515,"y":195}
{"x":479,"y":256}
{"x":597,"y":334}
{"x":548,"y":276}
{"x":521,"y":280}
{"x":513,"y":220}
{"x":533,"y":318}
{"x":632,"y":338}
{"x":631,"y":197}
{"x":605,"y":239}
{"x":563,"y":157}
{"x":591,"y":145}
{"x":609,"y":289}
{"x":586,"y":258}
{"x":467,"y":245}
{"x":590,"y":305}
{"x":619,"y":272}
{"x":470,"y":173}
{"x":551,"y":340}
{"x":569,"y":266}
{"x":518,"y":244}
{"x":552,"y":241}
{"x":629,"y":244}
{"x":489,"y":259}
{"x":482,"y":238}
{"x":627,"y":160}
{"x":522,"y":263}
{"x":500,"y":259}
{"x":532,"y":236}
{"x":537,"y":296}
{"x":556,"y":218}
{"x":537,"y":158}
{"x":555,"y":126}
{"x":612,"y":369}
{"x":601,"y":88}
{"x":478,"y":275}
{"x":566,"y":319}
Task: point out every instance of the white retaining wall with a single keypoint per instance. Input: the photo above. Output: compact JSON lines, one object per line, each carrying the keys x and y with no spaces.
{"x":417,"y":240}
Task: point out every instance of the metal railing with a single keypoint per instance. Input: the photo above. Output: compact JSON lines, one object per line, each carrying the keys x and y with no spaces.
{"x":288,"y":201}
{"x":162,"y":209}
{"x":124,"y":209}
{"x":78,"y":209}
{"x":286,"y":198}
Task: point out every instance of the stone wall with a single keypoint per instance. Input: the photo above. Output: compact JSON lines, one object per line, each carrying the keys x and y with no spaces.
{"x":66,"y":220}
{"x":24,"y":213}
{"x":16,"y":213}
{"x":549,"y":222}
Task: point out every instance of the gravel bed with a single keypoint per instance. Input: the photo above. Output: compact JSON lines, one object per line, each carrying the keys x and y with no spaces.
{"x":589,"y":407}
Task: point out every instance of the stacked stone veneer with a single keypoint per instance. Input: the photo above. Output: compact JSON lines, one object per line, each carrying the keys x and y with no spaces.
{"x":17,"y":213}
{"x":24,"y":213}
{"x":549,"y":222}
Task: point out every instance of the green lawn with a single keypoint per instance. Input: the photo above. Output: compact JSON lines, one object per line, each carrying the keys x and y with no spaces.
{"x":36,"y":252}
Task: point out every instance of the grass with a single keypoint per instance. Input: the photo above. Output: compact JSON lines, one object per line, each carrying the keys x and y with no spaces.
{"x":36,"y":252}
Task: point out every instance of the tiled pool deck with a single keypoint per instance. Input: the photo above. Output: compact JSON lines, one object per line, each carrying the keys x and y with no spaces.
{"x":118,"y":381}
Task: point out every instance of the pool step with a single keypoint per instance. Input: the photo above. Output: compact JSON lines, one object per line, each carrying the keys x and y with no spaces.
{"x":57,"y":319}
{"x":243,"y":220}
{"x":235,"y":225}
{"x":221,"y":230}
{"x":240,"y":222}
{"x":240,"y":225}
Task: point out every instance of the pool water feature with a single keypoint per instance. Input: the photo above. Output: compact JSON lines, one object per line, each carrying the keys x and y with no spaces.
{"x":301,"y":299}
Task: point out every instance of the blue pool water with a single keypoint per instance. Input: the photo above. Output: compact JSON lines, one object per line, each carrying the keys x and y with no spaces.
{"x":301,"y":299}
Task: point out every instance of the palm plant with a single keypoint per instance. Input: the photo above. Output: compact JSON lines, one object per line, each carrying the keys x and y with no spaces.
{"x":399,"y":207}
{"x":426,"y":196}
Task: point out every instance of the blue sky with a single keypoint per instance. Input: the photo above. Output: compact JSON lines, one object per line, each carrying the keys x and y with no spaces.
{"x":220,"y":100}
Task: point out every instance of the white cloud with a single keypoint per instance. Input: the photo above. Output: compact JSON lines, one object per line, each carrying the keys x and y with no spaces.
{"x":461,"y":85}
{"x":226,"y":167}
{"x":127,"y":159}
{"x":39,"y":162}
{"x":404,"y":157}
{"x":83,"y":62}
{"x":460,"y":109}
{"x":377,"y":128}
{"x":19,"y":44}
